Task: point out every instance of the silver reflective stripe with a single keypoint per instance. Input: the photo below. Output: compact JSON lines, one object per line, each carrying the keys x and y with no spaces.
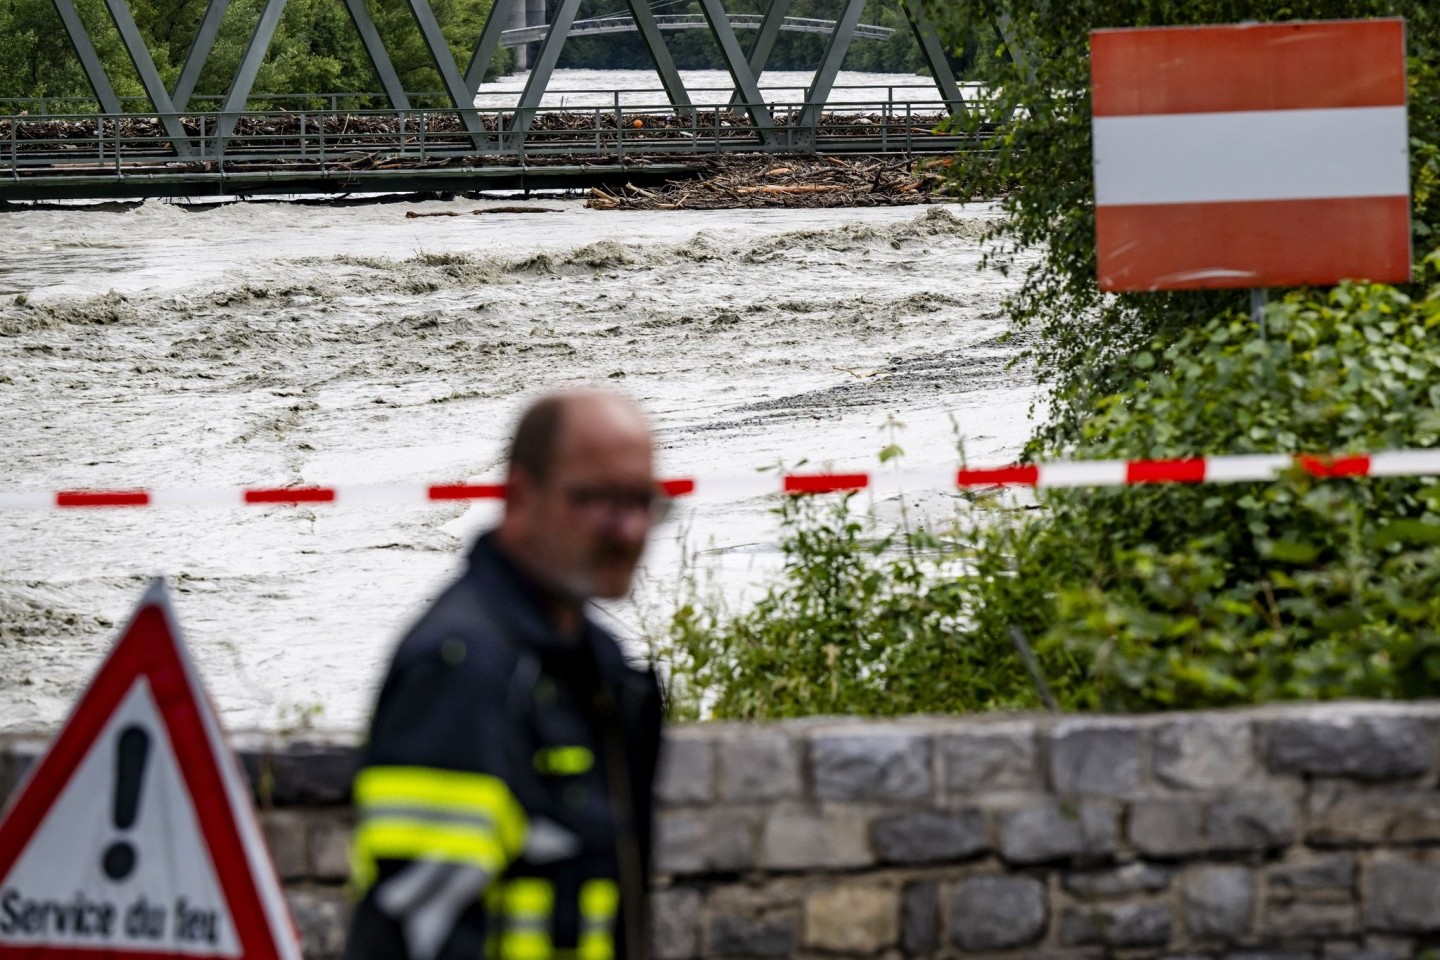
{"x":424,"y":815}
{"x":427,"y":925}
{"x":547,"y":842}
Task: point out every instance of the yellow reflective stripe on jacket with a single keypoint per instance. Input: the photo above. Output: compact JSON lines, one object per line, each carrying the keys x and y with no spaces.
{"x":422,"y":813}
{"x":564,"y":761}
{"x":599,"y":902}
{"x":527,"y":903}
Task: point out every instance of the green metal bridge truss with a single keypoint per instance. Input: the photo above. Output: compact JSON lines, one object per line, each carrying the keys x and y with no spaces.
{"x":163,"y":147}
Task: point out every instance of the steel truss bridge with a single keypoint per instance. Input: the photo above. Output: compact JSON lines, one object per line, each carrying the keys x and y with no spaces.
{"x":165,"y":145}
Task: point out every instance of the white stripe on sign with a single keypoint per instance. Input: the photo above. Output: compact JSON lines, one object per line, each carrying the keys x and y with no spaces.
{"x":1251,"y":155}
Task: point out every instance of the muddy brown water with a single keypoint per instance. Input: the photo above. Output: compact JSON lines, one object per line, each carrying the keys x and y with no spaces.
{"x":250,"y":344}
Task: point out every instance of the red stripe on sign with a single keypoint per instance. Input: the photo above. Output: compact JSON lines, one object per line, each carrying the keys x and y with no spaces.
{"x":1335,"y":466}
{"x":1027,"y":475}
{"x":102,"y":498}
{"x":678,"y":488}
{"x":1166,"y":471}
{"x":1274,"y":66}
{"x":467,"y":491}
{"x":291,"y":495}
{"x":1270,"y":243}
{"x":826,"y":482}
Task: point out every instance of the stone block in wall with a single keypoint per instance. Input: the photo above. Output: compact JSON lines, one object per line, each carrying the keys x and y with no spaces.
{"x":1166,"y":827}
{"x":992,"y":758}
{"x":1049,"y":830}
{"x":756,"y":768}
{"x":1096,"y":757}
{"x":300,"y":773}
{"x":920,"y":919}
{"x":1123,"y":881}
{"x":1304,"y":920}
{"x":287,"y":836}
{"x":329,"y":843}
{"x":852,"y":918}
{"x":929,"y":837}
{"x":1346,"y":814}
{"x":1270,"y":955}
{"x":1365,"y":742}
{"x":1254,"y":822}
{"x":1402,"y":896}
{"x":686,"y":773}
{"x":878,"y":766}
{"x":675,"y":924}
{"x":1325,"y":878}
{"x":833,"y":839}
{"x":744,"y":935}
{"x":322,"y":917}
{"x":1382,"y":947}
{"x":998,"y":912}
{"x":1116,"y":925}
{"x":1218,"y":902}
{"x":704,"y":841}
{"x":1205,"y":752}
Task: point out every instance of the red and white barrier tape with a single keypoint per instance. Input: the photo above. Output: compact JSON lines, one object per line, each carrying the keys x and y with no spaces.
{"x":1073,"y":473}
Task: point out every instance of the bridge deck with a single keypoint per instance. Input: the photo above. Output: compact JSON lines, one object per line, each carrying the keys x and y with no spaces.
{"x":378,"y":151}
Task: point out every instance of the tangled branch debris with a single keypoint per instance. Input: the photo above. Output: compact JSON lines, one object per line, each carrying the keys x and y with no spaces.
{"x":758,"y":181}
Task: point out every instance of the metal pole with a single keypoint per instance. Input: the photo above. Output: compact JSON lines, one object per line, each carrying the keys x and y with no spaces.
{"x":764,"y":42}
{"x":238,"y":95}
{"x":740,"y":73}
{"x":619,"y":130}
{"x":89,"y":59}
{"x":500,"y":13}
{"x":455,"y":88}
{"x":644,"y":19}
{"x":1258,"y":298}
{"x":541,"y":70}
{"x":375,"y":50}
{"x":840,"y":40}
{"x":200,"y":49}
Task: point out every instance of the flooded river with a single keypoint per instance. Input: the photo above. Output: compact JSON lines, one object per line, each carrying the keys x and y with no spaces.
{"x":161,"y":345}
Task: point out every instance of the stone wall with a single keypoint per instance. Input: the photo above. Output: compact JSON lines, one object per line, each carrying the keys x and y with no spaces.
{"x":1278,"y":832}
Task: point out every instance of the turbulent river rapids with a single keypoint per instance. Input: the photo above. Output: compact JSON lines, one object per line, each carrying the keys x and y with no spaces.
{"x":273,"y":344}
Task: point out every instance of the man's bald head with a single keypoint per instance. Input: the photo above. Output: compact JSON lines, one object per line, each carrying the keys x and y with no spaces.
{"x":578,"y":496}
{"x":537,"y":435}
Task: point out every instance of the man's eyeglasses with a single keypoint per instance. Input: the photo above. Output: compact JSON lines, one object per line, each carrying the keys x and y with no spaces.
{"x":603,"y":503}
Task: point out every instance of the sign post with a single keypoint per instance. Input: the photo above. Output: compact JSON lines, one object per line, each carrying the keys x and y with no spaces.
{"x":1256,"y":155}
{"x":134,"y":836}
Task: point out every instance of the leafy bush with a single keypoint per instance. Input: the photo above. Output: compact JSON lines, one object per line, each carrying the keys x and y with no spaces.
{"x":1158,"y":597}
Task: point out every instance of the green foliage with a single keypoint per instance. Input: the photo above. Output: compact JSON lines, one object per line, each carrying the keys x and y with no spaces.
{"x":1161,"y":597}
{"x":696,"y":50}
{"x":855,"y":624}
{"x":1081,"y":341}
{"x":315,"y":50}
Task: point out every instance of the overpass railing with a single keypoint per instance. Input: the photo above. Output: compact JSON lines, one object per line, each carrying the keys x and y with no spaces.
{"x":78,"y":142}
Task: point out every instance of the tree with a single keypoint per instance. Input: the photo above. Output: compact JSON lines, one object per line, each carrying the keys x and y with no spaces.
{"x":1083,"y":340}
{"x":315,"y":50}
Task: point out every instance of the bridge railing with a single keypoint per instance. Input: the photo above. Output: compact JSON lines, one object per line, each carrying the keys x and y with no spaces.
{"x":76,"y":144}
{"x":919,"y":94}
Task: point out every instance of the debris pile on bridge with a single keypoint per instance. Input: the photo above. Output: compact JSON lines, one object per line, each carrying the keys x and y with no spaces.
{"x":761,"y":181}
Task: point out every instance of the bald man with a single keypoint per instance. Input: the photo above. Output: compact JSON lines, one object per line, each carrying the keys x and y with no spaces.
{"x":504,"y":802}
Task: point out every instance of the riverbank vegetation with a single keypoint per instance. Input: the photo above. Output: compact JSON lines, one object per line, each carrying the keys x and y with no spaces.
{"x":315,"y":49}
{"x":1142,"y":598}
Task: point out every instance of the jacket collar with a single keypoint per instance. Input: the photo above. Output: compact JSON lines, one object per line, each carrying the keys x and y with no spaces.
{"x":518,"y":598}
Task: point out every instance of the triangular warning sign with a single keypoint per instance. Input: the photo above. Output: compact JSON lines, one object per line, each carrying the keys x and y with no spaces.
{"x":134,"y":836}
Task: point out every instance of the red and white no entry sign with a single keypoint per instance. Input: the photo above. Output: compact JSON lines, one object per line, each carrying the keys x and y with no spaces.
{"x":1251,"y":156}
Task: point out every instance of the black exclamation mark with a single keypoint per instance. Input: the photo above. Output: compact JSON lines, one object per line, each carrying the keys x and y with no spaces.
{"x":131,"y":750}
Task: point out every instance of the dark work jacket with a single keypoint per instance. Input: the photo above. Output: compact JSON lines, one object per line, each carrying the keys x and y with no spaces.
{"x":489,"y":726}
